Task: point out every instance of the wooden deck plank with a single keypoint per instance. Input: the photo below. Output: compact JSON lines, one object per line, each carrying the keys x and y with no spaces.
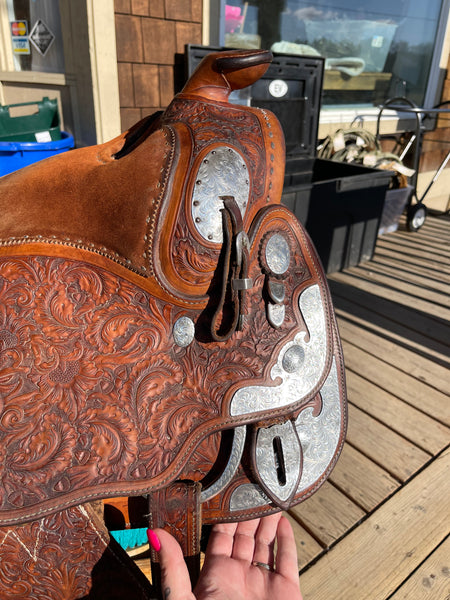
{"x":435,"y":238}
{"x":389,"y":253}
{"x":395,"y":282}
{"x":388,"y":331}
{"x":418,"y":328}
{"x":412,"y":424}
{"x":438,"y":249}
{"x":432,"y":579}
{"x":328,"y":514}
{"x":409,"y":360}
{"x":413,"y":392}
{"x":385,"y":447}
{"x":411,"y":268}
{"x":419,"y":253}
{"x":307,"y":547}
{"x":423,"y":246}
{"x":432,"y":238}
{"x":420,"y":283}
{"x":411,"y":254}
{"x":361,"y":281}
{"x":369,"y":339}
{"x":362,"y":480}
{"x":435,"y":231}
{"x":375,"y":558}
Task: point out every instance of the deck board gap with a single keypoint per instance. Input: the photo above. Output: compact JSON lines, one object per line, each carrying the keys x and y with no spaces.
{"x":409,"y":278}
{"x":418,"y":567}
{"x":401,"y":366}
{"x":334,"y":543}
{"x":395,"y":338}
{"x":409,"y":439}
{"x":355,"y":501}
{"x":405,"y":245}
{"x":361,"y":450}
{"x":426,"y":242}
{"x":308,"y":530}
{"x":407,"y":321}
{"x":430,"y":262}
{"x":403,"y":399}
{"x":392,"y":265}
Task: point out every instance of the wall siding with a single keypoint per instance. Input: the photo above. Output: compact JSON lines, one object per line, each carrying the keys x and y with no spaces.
{"x":150,"y":38}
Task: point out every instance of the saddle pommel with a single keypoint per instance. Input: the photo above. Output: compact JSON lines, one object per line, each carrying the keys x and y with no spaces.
{"x":222,"y":72}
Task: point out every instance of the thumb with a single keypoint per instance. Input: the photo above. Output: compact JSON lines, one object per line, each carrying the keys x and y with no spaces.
{"x":175,"y":582}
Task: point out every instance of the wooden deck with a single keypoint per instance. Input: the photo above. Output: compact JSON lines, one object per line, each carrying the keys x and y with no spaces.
{"x":378,"y":529}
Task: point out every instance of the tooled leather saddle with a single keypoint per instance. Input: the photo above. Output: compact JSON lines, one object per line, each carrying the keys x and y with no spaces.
{"x":166,"y":329}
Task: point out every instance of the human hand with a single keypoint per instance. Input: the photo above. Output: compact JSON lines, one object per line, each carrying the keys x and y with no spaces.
{"x":229,"y":571}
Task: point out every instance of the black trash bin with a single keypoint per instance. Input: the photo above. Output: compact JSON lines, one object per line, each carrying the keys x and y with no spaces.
{"x":339,"y":204}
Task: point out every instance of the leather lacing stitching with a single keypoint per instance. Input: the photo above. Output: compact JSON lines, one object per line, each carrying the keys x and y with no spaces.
{"x":40,"y":239}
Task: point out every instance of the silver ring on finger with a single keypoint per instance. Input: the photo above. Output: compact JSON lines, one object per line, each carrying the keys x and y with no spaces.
{"x":262,"y":565}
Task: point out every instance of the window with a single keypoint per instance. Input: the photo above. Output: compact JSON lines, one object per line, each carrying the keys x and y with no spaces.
{"x":373,"y":50}
{"x":35,"y":35}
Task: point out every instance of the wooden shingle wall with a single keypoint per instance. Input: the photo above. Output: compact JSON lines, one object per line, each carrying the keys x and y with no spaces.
{"x":149,"y":36}
{"x":436,"y":143}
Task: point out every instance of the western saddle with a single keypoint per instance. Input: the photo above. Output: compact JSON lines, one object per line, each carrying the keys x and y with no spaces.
{"x":166,"y":330}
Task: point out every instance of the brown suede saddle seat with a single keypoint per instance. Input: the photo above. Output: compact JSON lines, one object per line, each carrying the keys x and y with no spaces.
{"x":164,"y":318}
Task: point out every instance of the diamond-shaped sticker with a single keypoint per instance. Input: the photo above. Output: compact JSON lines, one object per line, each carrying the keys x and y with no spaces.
{"x":41,"y":37}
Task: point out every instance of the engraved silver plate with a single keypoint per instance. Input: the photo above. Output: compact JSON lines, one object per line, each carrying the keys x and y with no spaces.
{"x":267,"y":463}
{"x":230,"y":469}
{"x":222,"y":172}
{"x":183,"y":331}
{"x":298,"y":383}
{"x":278,"y":255}
{"x":248,"y":495}
{"x":319,"y":436}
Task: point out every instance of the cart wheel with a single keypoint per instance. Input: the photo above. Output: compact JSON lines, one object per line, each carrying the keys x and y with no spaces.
{"x":416,"y":216}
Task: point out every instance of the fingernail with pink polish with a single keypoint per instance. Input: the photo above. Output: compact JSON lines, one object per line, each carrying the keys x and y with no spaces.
{"x":153,"y":540}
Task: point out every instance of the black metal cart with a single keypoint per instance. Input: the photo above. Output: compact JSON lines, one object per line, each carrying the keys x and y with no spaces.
{"x":416,"y":213}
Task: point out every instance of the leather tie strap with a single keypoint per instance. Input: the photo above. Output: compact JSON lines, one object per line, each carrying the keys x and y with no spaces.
{"x":234,"y":281}
{"x":177,"y":508}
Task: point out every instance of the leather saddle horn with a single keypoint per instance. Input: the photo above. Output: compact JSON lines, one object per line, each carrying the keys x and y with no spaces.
{"x":166,"y":329}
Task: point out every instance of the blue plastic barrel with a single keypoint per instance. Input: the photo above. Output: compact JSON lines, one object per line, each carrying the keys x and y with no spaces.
{"x":15,"y":155}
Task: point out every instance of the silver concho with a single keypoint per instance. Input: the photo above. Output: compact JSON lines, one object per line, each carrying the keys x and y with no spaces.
{"x":278,"y":255}
{"x":300,"y":376}
{"x":183,"y":331}
{"x":222,"y":172}
{"x":293,"y":359}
